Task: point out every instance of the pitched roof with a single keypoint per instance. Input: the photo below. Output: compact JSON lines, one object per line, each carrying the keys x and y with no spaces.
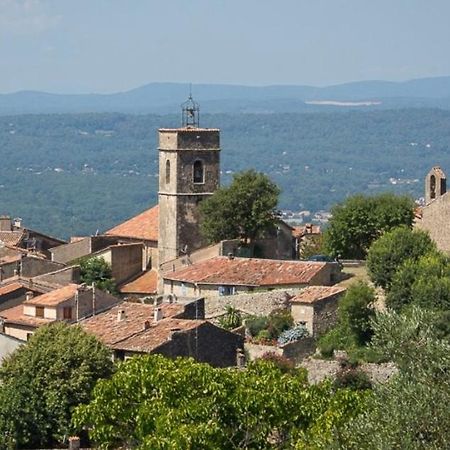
{"x":11,"y":287}
{"x":15,"y":315}
{"x":143,"y":226}
{"x":12,"y":237}
{"x":312,"y":294}
{"x":55,"y":297}
{"x":110,"y":330}
{"x":157,"y":334}
{"x":247,"y":272}
{"x":300,"y":231}
{"x":145,"y":283}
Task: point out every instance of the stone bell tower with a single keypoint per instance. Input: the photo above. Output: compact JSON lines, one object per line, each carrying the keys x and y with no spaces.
{"x":435,"y":184}
{"x":189,"y":172}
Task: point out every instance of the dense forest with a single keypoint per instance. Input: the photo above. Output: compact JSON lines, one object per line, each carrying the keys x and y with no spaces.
{"x":72,"y":174}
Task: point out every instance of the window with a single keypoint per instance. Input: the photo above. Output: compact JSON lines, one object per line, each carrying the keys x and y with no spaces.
{"x":167,"y":172}
{"x":67,"y":312}
{"x":432,"y":187}
{"x":227,"y":290}
{"x":39,"y":311}
{"x":199,"y":173}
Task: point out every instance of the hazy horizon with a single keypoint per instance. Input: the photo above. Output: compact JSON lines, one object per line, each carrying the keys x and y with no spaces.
{"x":106,"y":46}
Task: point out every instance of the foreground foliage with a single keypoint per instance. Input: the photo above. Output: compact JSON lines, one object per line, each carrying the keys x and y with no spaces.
{"x":360,"y":220}
{"x":155,"y":403}
{"x":44,"y":380}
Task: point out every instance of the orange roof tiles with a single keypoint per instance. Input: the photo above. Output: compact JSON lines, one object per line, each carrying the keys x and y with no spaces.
{"x":55,"y":297}
{"x":146,"y":283}
{"x":300,"y":231}
{"x":110,"y":330}
{"x":10,"y":288}
{"x":15,"y":315}
{"x":11,"y":237}
{"x":157,"y":334}
{"x":143,"y":226}
{"x":314,"y":294}
{"x":247,"y":272}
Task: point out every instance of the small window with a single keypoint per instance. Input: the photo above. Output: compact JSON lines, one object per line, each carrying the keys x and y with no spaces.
{"x":29,"y":336}
{"x":167,"y":172}
{"x":39,"y":311}
{"x":432,"y":186}
{"x":199,"y":173}
{"x":67,"y":312}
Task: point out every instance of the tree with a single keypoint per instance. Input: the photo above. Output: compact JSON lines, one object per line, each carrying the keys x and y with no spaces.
{"x":153,"y":402}
{"x":98,"y":271}
{"x":243,"y":210}
{"x":394,"y":247}
{"x":360,"y":219}
{"x":44,"y":380}
{"x":411,"y":410}
{"x":425,"y":283}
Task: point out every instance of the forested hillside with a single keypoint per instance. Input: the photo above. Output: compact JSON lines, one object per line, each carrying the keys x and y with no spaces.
{"x":72,"y":174}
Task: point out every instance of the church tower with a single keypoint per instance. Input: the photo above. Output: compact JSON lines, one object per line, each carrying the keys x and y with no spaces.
{"x":189,"y":172}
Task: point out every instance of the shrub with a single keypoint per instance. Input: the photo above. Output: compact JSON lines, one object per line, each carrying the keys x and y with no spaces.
{"x":232,"y":319}
{"x":352,"y":378}
{"x":279,"y":321}
{"x":256,"y":324}
{"x":293,"y":334}
{"x":283,"y":363}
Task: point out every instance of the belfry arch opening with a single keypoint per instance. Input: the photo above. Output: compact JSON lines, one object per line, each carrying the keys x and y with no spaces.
{"x":432,"y":187}
{"x":167,"y":171}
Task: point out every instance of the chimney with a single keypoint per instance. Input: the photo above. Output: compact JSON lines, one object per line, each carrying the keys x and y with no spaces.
{"x":173,"y":332}
{"x":29,"y":295}
{"x":74,"y":443}
{"x":230,"y":256}
{"x":121,"y":315}
{"x":5,"y":223}
{"x":240,"y":358}
{"x":157,"y":314}
{"x":17,"y":222}
{"x":146,"y":325}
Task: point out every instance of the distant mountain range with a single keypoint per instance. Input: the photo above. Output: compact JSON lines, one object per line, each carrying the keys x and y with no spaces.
{"x":164,"y":98}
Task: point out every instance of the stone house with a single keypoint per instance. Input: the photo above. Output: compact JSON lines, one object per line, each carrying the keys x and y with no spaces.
{"x":69,"y":303}
{"x":12,"y":233}
{"x":170,"y":329}
{"x":316,"y":307}
{"x":144,"y":284}
{"x":304,"y":235}
{"x":228,"y":275}
{"x":434,"y":217}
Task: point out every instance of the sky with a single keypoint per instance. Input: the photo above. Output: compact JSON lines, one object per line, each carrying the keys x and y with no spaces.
{"x":82,"y":46}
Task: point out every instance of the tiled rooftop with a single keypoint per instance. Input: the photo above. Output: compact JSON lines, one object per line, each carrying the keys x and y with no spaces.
{"x":300,"y":231}
{"x":143,"y":226}
{"x":146,"y":283}
{"x":110,"y":330}
{"x":15,"y":315}
{"x":55,"y":297}
{"x":157,"y":334}
{"x":11,"y":237}
{"x":247,"y":272}
{"x":314,"y":294}
{"x":11,"y":287}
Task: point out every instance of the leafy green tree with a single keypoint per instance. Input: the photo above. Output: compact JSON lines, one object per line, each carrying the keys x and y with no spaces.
{"x":424,"y":282}
{"x":44,"y":380}
{"x":411,"y":410}
{"x":232,"y":318}
{"x":394,"y":247}
{"x":360,"y":219}
{"x":98,"y":271}
{"x":153,"y":402}
{"x":243,"y":210}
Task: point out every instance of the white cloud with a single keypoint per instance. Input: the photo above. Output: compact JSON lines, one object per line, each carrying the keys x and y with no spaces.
{"x":25,"y":17}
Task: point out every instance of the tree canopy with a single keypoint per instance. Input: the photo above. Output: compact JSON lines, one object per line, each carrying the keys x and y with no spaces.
{"x":152,"y":402}
{"x":360,"y":220}
{"x":98,"y":271}
{"x":394,"y":247}
{"x":44,"y":380}
{"x":244,"y":209}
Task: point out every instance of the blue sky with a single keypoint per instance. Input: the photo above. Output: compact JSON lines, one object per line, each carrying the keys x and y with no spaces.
{"x":113,"y":45}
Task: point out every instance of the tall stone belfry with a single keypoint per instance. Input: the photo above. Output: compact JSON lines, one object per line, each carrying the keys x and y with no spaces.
{"x":189,"y":172}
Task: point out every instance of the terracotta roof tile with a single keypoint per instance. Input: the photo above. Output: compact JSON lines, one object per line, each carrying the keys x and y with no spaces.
{"x":15,"y":315}
{"x":11,"y":237}
{"x":157,"y":334}
{"x":54,"y":297}
{"x":314,"y":294}
{"x":110,"y":330}
{"x":248,"y":272}
{"x":11,"y":287}
{"x":146,"y":283}
{"x":300,"y":231}
{"x":143,"y":226}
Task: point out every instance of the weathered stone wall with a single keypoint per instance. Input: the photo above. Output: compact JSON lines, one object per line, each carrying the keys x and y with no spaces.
{"x":295,"y":351}
{"x":69,"y":252}
{"x":436,"y":220}
{"x":207,"y":343}
{"x":64,"y":276}
{"x":29,"y":267}
{"x":325,"y":314}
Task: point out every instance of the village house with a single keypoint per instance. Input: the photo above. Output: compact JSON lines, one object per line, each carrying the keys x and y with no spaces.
{"x":69,"y":303}
{"x":170,"y":329}
{"x":229,"y":275}
{"x":316,"y":308}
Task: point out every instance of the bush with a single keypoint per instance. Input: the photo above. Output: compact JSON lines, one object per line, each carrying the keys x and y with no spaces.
{"x":256,"y":324}
{"x":279,"y":321}
{"x":283,"y":363}
{"x":263,"y":336}
{"x":293,"y":334}
{"x":232,"y":319}
{"x":352,"y":378}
